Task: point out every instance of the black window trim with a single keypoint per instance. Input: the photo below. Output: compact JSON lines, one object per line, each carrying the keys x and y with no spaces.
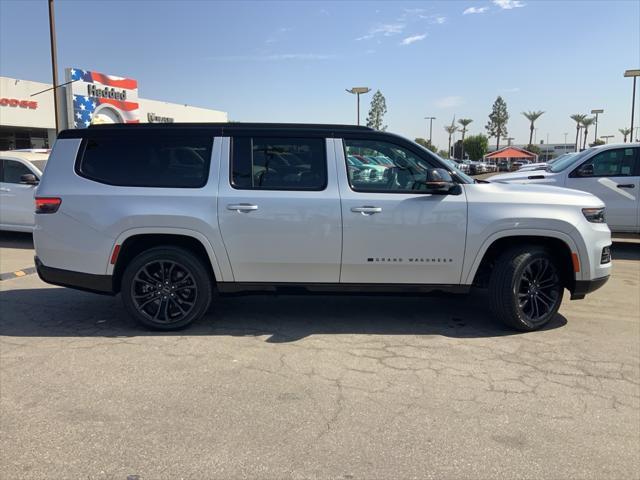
{"x":279,"y":135}
{"x":80,"y":157}
{"x":634,"y":173}
{"x":427,"y":158}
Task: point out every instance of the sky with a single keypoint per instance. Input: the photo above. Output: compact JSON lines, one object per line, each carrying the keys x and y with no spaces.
{"x":292,"y":61}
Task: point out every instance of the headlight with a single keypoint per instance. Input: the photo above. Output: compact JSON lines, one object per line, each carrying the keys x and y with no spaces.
{"x":594,"y":215}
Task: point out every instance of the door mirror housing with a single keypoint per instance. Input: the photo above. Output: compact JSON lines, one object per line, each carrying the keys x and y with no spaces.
{"x":438,"y":181}
{"x":585,"y":170}
{"x":29,"y":179}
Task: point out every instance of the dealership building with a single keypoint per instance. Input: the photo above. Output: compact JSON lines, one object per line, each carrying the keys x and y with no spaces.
{"x":27,"y":114}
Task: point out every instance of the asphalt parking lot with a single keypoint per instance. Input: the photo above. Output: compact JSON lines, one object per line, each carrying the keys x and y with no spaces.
{"x":322,"y":387}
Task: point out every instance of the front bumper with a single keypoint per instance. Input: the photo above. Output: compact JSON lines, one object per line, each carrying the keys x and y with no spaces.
{"x":584,"y":287}
{"x":87,"y":282}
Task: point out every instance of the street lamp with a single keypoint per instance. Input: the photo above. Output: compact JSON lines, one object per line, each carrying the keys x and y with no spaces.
{"x":607,"y":137}
{"x":565,"y":140}
{"x":596,"y":112}
{"x":509,"y":141}
{"x":359,"y":91}
{"x":431,"y":119}
{"x":635,"y":74}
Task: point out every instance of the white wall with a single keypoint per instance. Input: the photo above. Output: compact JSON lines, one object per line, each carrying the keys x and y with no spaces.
{"x":43,"y":115}
{"x":179,"y":113}
{"x":40,"y":117}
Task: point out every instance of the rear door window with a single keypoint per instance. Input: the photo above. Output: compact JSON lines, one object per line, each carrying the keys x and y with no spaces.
{"x":269,"y":163}
{"x":144,"y":160}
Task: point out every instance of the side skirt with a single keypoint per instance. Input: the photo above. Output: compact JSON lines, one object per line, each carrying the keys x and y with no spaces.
{"x":246,"y":288}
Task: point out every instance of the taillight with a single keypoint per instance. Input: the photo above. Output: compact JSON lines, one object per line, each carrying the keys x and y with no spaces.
{"x":47,"y":204}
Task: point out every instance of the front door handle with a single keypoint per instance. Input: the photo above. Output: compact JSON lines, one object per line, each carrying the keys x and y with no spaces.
{"x":366,"y":210}
{"x":626,"y":185}
{"x":242,"y":207}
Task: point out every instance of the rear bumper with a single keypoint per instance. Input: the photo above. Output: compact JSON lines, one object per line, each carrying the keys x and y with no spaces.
{"x":584,"y":287}
{"x":80,"y":281}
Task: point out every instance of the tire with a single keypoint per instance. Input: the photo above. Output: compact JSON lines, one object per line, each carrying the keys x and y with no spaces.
{"x":166,"y":288}
{"x":525,"y":288}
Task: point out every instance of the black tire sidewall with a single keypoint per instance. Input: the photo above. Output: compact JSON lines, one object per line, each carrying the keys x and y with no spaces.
{"x":504,"y":286}
{"x":188,"y":260}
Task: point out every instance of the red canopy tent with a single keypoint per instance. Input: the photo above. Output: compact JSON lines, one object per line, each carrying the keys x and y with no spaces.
{"x":512,"y":154}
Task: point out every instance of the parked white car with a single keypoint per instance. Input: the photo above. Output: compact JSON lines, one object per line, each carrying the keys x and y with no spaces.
{"x":20,"y":173}
{"x":543,"y":165}
{"x":611,"y":172}
{"x":165,"y":214}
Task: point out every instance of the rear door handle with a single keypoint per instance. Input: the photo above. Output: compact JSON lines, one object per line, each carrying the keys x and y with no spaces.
{"x":242,"y":207}
{"x":626,"y":185}
{"x":366,"y":210}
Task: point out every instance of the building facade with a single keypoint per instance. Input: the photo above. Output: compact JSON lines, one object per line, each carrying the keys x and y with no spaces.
{"x":27,"y":114}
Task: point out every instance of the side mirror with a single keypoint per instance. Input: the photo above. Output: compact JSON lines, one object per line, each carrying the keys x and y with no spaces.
{"x":438,"y":181}
{"x":29,"y":179}
{"x":585,"y":170}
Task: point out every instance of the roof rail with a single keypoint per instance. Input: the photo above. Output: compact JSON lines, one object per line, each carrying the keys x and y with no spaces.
{"x":232,"y":125}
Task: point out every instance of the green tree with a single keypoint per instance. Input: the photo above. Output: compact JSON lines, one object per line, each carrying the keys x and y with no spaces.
{"x":465,"y":123}
{"x":442,"y":153}
{"x":586,"y":123}
{"x":426,"y":144}
{"x":596,"y":142}
{"x":377,"y":111}
{"x":625,"y":133}
{"x":498,"y":118}
{"x":450,"y":129}
{"x":476,"y":146}
{"x":578,"y":118}
{"x":534,"y":149}
{"x":532,"y":117}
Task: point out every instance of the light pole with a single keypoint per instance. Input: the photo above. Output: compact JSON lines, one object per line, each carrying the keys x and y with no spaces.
{"x":635,"y":74}
{"x":606,"y":137}
{"x":565,"y":140}
{"x":596,"y":112}
{"x":359,"y":91}
{"x":509,"y":141}
{"x":431,"y":119}
{"x":546,"y":152}
{"x":54,"y":62}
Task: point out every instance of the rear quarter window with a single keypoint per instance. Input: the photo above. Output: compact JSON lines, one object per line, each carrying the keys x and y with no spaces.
{"x":143,"y":160}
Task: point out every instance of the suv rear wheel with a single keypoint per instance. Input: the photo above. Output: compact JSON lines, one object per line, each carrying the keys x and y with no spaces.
{"x":166,"y":288}
{"x":525,"y":288}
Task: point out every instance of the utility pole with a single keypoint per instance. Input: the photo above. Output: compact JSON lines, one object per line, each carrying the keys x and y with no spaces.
{"x":607,"y":137}
{"x":358,"y":91}
{"x":431,"y":119}
{"x":635,"y":74}
{"x":596,"y":112}
{"x":565,"y":140}
{"x":54,"y":62}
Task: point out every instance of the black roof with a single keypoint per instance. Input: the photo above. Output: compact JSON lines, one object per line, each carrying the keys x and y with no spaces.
{"x":220,"y":127}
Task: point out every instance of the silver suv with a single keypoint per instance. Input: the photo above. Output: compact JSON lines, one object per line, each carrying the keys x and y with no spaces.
{"x":166,"y":214}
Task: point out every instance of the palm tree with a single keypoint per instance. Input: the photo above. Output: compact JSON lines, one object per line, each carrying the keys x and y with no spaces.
{"x":465,"y":123}
{"x":532,"y":117}
{"x":450,"y":129}
{"x":625,"y":132}
{"x":586,"y":123}
{"x":578,"y":118}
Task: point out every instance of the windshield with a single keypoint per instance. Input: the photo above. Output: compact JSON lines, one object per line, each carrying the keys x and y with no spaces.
{"x":39,"y":164}
{"x":565,"y":162}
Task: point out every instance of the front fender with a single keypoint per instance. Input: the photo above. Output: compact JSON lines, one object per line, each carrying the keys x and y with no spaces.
{"x":574,"y":242}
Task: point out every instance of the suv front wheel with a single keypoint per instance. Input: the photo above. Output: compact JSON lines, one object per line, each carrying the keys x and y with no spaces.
{"x":166,"y":288}
{"x":525,"y":289}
